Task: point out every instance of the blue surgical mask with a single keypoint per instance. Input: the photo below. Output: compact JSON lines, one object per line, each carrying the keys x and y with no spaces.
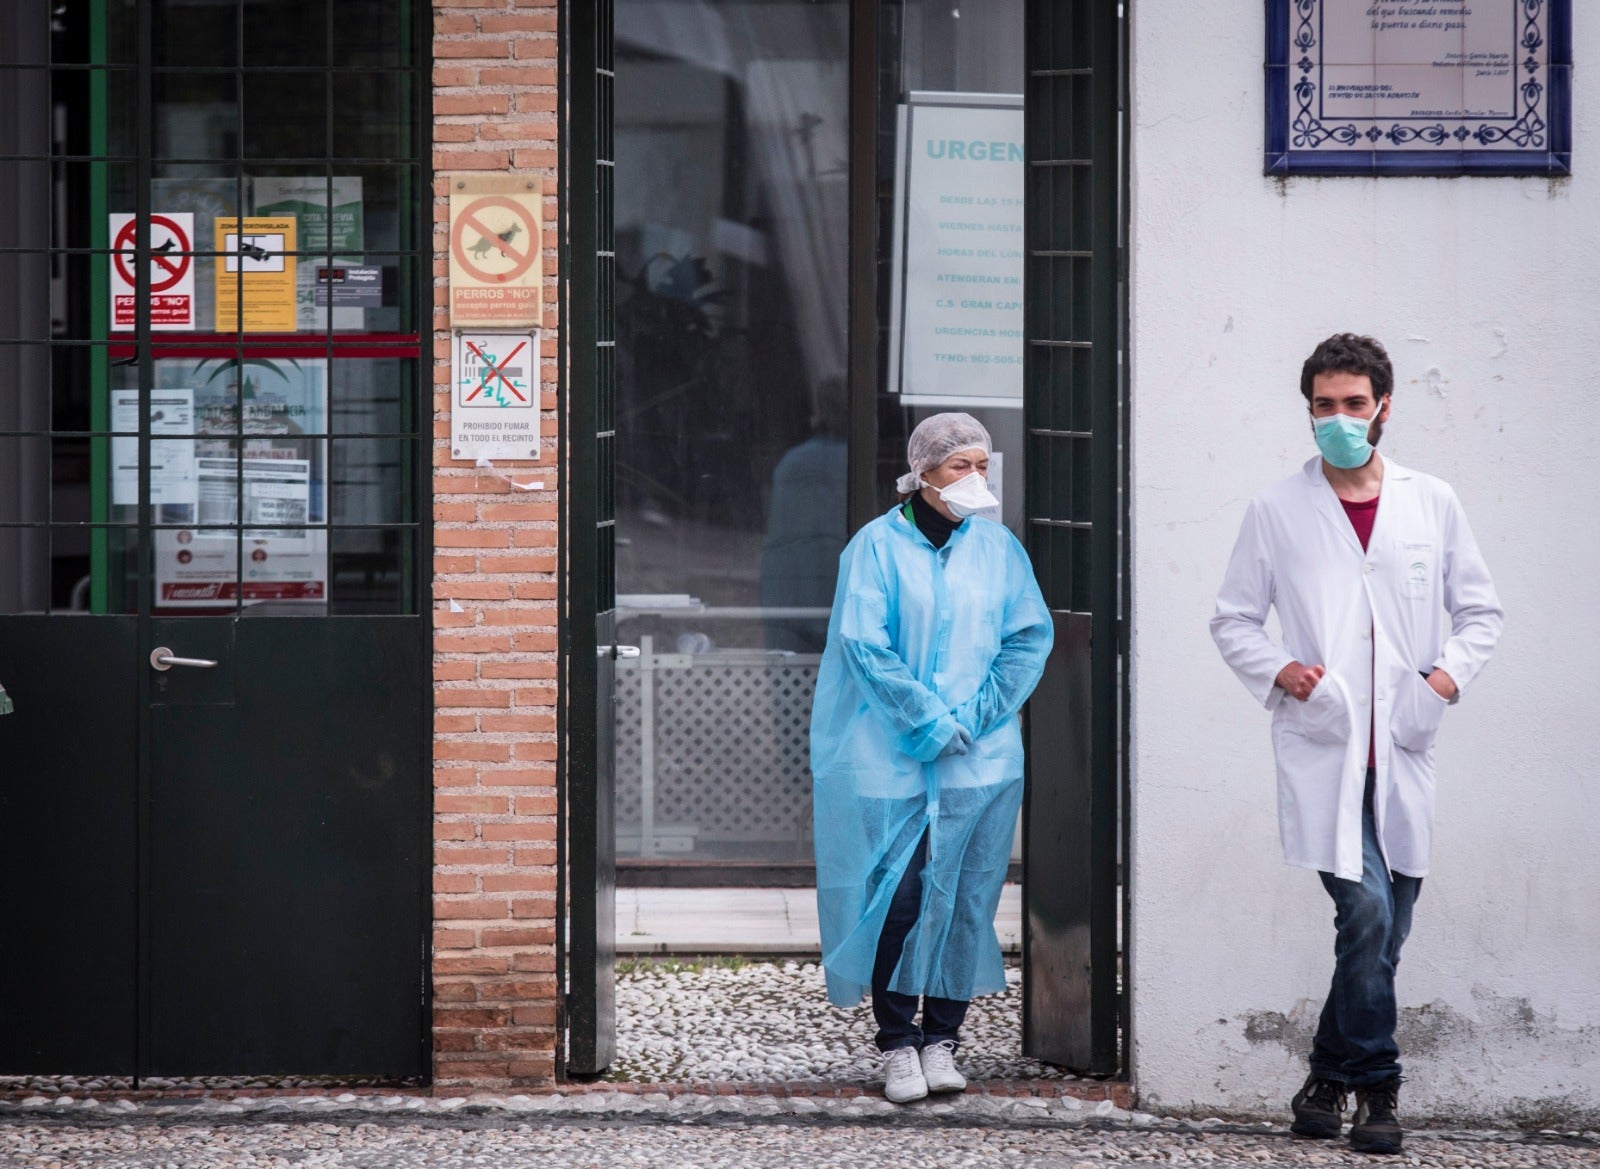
{"x":1342,"y":439}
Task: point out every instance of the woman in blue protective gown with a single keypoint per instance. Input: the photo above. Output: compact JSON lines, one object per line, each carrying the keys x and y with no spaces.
{"x":938,"y":635}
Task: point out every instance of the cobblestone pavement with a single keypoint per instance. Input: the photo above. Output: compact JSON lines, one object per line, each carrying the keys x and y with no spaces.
{"x":697,"y":1042}
{"x":765,"y":1022}
{"x":706,"y":1132}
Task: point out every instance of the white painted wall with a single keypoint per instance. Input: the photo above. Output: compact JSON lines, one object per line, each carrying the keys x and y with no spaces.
{"x":1486,"y":292}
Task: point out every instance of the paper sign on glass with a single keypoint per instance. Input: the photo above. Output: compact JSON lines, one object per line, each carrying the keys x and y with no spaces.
{"x":258,"y":261}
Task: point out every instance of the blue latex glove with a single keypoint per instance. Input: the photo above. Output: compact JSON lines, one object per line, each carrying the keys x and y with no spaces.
{"x":960,"y":743}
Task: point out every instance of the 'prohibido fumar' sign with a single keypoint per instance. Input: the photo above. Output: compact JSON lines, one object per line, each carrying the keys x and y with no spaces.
{"x":1419,"y":87}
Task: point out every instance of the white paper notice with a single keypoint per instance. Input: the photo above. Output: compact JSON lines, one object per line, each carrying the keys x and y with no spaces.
{"x":957,"y":297}
{"x":172,"y":479}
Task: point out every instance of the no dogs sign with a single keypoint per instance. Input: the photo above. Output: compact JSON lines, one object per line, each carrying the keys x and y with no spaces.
{"x":171,"y":271}
{"x":496,"y":250}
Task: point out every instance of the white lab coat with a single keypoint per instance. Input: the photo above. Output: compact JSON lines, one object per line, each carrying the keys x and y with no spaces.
{"x":1419,"y":598}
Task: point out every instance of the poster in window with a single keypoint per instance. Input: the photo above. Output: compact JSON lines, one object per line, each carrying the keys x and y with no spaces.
{"x":956,"y":317}
{"x":247,"y":525}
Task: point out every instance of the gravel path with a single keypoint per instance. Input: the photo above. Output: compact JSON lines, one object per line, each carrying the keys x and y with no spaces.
{"x":769,"y":1022}
{"x":721,"y":1022}
{"x":748,"y":1133}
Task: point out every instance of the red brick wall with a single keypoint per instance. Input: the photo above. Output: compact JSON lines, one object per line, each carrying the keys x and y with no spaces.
{"x":494,"y":666}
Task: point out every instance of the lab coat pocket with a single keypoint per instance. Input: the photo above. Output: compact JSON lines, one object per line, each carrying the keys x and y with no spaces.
{"x":1416,"y":559}
{"x":1418,"y":709}
{"x":1324,"y":717}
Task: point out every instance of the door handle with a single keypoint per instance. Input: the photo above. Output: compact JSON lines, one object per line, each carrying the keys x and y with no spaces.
{"x":622,"y":651}
{"x":161,"y":658}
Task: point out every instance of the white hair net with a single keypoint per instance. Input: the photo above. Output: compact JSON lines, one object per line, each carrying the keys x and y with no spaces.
{"x":934,"y":440}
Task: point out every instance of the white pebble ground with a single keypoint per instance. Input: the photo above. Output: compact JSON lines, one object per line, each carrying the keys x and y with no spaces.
{"x":770,"y":1022}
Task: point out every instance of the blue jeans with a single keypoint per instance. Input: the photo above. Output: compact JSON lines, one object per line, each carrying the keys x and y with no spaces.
{"x":896,"y":1013}
{"x":1355,"y":1038}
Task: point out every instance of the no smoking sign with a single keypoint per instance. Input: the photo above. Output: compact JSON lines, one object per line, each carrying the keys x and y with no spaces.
{"x":494,"y":404}
{"x":169,"y":270}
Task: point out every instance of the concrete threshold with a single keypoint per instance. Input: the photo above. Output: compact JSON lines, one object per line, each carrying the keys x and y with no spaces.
{"x":752,"y":922}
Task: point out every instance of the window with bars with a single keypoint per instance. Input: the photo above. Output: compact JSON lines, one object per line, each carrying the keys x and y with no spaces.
{"x":213,"y":287}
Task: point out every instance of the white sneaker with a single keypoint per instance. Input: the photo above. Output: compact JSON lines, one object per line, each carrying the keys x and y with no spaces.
{"x":939,"y":1068}
{"x":902,"y":1076}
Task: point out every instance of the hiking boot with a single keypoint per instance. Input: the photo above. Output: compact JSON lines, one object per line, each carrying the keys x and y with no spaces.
{"x":939,"y":1068}
{"x":1318,"y":1109}
{"x":903,"y":1081}
{"x":1375,"y":1128}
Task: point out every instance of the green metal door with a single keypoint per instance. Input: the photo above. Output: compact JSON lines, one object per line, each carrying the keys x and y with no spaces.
{"x":212,"y":614}
{"x":589,"y":649}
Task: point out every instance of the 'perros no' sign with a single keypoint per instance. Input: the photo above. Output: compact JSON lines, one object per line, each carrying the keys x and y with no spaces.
{"x":496,"y":251}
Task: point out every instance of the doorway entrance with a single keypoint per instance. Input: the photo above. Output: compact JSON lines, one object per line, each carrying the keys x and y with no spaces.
{"x":216,"y":797}
{"x":809,"y":221}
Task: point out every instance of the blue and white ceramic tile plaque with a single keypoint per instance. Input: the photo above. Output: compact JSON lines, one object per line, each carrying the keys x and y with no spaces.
{"x":1357,"y":87}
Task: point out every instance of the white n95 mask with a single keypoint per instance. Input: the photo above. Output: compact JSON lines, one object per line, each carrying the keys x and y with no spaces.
{"x":969,"y":495}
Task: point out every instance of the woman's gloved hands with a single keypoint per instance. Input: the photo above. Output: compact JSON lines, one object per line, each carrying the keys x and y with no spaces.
{"x":960,"y":743}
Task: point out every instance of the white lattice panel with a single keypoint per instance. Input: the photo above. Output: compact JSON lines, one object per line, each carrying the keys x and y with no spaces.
{"x":731,"y":754}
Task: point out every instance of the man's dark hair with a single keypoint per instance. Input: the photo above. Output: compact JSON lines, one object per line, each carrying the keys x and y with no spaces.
{"x":1353,"y":354}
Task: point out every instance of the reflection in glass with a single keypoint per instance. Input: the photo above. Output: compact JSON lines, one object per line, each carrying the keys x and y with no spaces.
{"x":366,"y":479}
{"x":74,"y":93}
{"x":389,"y":205}
{"x":807,"y":529}
{"x":933,"y":46}
{"x":365,"y":32}
{"x":367,"y":569}
{"x":196,"y":116}
{"x":293,"y":32}
{"x":369,"y":395}
{"x":94,"y":569}
{"x":188,"y":33}
{"x":285,"y":115}
{"x":731,"y":232}
{"x":373,"y":114}
{"x":72,"y":28}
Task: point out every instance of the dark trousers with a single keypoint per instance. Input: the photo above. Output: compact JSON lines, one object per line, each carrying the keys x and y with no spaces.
{"x":896,"y":1013}
{"x":1355,"y":1043}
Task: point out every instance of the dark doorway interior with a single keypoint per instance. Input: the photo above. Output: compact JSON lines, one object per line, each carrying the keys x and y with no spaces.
{"x":751,"y":407}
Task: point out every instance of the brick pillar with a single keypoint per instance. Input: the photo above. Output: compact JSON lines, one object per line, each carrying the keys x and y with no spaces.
{"x":494,"y":671}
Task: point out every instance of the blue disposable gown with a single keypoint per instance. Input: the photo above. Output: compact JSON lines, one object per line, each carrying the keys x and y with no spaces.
{"x":922,"y":640}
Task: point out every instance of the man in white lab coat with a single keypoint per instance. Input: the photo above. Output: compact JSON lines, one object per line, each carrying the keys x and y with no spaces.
{"x":1388,"y":614}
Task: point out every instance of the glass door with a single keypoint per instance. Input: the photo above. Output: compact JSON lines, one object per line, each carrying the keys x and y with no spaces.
{"x":732,"y":128}
{"x":950,"y":231}
{"x":736,"y":424}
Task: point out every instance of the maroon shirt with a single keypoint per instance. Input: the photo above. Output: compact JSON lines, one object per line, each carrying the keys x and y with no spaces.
{"x":1361,"y":516}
